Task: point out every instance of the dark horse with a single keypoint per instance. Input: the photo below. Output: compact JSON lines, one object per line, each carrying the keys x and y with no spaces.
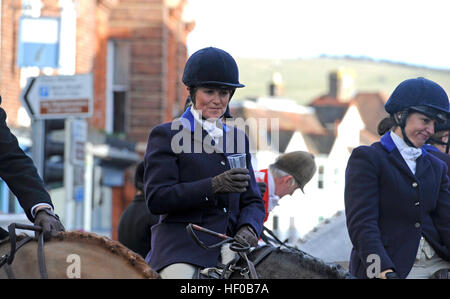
{"x":287,"y":262}
{"x":272,"y":262}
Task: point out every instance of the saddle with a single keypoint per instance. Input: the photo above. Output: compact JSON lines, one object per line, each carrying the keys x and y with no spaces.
{"x":7,"y":259}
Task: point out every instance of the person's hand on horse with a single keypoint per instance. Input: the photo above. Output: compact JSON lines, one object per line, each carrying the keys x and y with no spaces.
{"x":234,"y":180}
{"x":262,"y":188}
{"x":49,"y":222}
{"x":246,"y":235}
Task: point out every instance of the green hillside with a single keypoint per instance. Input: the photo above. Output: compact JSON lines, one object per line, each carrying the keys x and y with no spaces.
{"x":306,"y":79}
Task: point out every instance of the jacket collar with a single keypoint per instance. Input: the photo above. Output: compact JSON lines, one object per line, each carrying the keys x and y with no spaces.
{"x":422,"y":164}
{"x":191,"y":123}
{"x":430,"y":148}
{"x":389,"y":145}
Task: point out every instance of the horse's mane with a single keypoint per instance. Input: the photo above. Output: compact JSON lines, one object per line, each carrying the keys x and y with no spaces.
{"x":113,"y":246}
{"x":310,"y":262}
{"x":18,"y":239}
{"x":332,"y":269}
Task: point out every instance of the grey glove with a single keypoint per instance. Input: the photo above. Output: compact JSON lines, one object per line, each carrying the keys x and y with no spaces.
{"x":246,"y":235}
{"x":262,"y":188}
{"x":234,"y":180}
{"x":49,"y":222}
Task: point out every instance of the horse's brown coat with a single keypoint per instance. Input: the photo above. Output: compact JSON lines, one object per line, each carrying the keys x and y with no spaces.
{"x":100,"y":257}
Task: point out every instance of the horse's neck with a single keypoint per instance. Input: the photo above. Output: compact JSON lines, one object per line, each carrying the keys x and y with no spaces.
{"x":291,"y":263}
{"x":74,"y":258}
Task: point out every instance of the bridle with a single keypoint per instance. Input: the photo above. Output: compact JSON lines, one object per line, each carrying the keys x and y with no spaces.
{"x":248,"y":271}
{"x":7,"y":259}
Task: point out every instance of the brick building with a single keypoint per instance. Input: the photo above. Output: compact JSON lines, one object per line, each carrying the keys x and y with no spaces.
{"x":136,"y":51}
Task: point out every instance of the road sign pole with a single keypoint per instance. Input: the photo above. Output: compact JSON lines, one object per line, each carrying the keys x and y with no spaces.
{"x":37,"y":152}
{"x":88,"y":191}
{"x":68,"y":176}
{"x":74,"y":160}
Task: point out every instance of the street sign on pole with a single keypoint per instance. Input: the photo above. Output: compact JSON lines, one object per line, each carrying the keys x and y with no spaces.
{"x":48,"y":97}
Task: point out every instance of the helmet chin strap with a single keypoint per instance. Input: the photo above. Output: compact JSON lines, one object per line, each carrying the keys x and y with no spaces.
{"x":401,"y":122}
{"x":406,"y":139}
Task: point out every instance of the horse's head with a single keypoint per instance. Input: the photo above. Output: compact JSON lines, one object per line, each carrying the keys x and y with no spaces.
{"x":281,"y":262}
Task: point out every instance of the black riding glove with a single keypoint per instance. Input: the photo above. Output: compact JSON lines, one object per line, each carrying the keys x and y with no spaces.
{"x":262,"y":188}
{"x":49,"y":222}
{"x":392,"y":275}
{"x":234,"y":180}
{"x":245,"y":235}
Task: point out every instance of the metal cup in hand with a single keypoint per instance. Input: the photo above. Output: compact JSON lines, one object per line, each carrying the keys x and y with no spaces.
{"x":237,"y":161}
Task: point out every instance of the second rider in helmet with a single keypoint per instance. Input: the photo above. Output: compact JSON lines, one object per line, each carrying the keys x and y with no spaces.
{"x":397,"y":201}
{"x":188,"y":180}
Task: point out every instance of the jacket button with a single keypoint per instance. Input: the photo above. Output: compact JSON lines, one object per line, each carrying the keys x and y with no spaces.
{"x":222,"y":162}
{"x":224,"y":210}
{"x":206,"y":198}
{"x":417,"y":225}
{"x":414,"y":185}
{"x":417,"y":203}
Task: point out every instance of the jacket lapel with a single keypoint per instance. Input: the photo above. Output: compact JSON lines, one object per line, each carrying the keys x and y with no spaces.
{"x":396,"y":158}
{"x":423,"y":166}
{"x":394,"y":155}
{"x":201,"y":141}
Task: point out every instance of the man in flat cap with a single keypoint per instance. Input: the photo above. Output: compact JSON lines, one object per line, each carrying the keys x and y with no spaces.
{"x":289,"y":172}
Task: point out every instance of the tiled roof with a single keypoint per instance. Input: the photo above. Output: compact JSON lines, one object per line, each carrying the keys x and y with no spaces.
{"x":319,"y":144}
{"x":371,"y":109}
{"x":329,"y":240}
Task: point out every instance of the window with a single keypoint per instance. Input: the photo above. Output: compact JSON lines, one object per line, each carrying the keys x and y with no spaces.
{"x":118,"y":86}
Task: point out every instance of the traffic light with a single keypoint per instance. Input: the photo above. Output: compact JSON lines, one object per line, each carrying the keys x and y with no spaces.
{"x":53,"y":148}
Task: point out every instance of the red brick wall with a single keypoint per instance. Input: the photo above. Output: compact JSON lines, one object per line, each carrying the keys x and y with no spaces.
{"x":158,"y":53}
{"x":157,"y":37}
{"x":156,"y":33}
{"x":9,"y":71}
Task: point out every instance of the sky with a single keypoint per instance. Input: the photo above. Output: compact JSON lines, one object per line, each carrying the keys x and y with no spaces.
{"x":408,"y":31}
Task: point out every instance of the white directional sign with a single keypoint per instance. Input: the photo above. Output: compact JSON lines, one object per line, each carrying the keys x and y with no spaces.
{"x":47,"y":97}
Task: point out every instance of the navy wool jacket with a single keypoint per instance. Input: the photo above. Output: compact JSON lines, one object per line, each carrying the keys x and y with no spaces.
{"x":177,"y":186}
{"x":443,"y":156}
{"x":388,"y":208}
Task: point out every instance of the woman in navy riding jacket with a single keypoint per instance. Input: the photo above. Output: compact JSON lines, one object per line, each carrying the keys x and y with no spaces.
{"x":397,"y":201}
{"x":188,"y":177}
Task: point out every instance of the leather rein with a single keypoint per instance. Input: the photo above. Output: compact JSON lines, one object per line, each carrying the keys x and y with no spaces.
{"x":249,"y":271}
{"x":7,"y":259}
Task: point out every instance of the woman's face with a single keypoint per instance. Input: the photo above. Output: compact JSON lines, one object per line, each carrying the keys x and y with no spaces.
{"x":212,"y":102}
{"x":419,"y":128}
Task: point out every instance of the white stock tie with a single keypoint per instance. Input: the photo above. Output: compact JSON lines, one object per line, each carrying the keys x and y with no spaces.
{"x":411,"y":153}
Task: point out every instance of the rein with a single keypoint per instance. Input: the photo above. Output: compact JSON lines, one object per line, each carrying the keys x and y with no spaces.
{"x":274,"y":239}
{"x":7,"y":259}
{"x":249,"y":271}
